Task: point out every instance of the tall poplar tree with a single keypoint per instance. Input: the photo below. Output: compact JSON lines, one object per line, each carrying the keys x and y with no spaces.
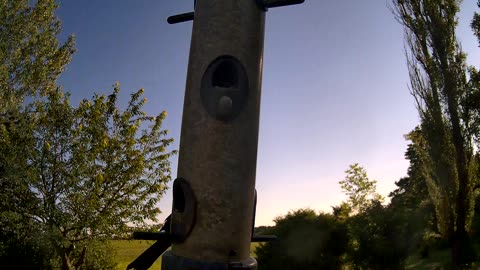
{"x":443,"y":93}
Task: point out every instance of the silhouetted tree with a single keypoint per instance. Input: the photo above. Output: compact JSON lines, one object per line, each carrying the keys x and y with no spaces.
{"x":438,"y":78}
{"x":411,"y":204}
{"x":376,"y":239}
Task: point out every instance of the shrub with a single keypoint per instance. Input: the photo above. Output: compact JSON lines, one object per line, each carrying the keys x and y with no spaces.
{"x":306,"y":241}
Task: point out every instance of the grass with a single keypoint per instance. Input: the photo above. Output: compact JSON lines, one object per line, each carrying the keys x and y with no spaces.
{"x":438,"y":259}
{"x":126,"y":251}
{"x":253,"y":247}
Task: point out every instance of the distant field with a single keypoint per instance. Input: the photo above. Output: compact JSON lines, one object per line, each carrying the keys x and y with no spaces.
{"x":128,"y":250}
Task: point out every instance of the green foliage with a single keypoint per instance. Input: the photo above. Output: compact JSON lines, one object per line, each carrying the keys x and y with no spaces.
{"x":28,"y":251}
{"x":99,"y":255}
{"x":343,"y":211}
{"x":361,"y":191}
{"x":476,"y":229}
{"x":375,"y":233}
{"x":306,"y":241}
{"x":438,"y":259}
{"x":70,"y":176}
{"x":95,"y":170}
{"x":31,"y":57}
{"x":88,"y":173}
{"x":412,"y":190}
{"x":476,"y":23}
{"x":377,"y":239}
{"x":475,"y":103}
{"x":445,"y":98}
{"x":411,"y":204}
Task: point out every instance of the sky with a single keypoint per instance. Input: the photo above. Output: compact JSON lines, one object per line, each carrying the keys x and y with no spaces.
{"x":335,"y":88}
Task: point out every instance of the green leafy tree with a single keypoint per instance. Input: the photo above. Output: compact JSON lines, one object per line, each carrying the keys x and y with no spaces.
{"x":475,"y":103}
{"x":377,"y":239}
{"x":305,"y":241}
{"x":412,"y":190}
{"x":476,"y":23}
{"x":96,"y":170}
{"x":343,"y":211}
{"x":71,"y":177}
{"x":449,"y":118}
{"x":373,"y":232}
{"x":411,"y":205}
{"x":31,"y":59}
{"x":361,"y":191}
{"x":19,"y":232}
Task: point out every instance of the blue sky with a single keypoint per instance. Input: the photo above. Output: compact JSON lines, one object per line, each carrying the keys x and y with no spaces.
{"x":335,"y":87}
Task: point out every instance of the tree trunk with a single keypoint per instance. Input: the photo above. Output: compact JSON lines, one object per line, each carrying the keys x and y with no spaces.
{"x":460,"y":247}
{"x":462,"y":201}
{"x":81,"y":260}
{"x":66,"y":264}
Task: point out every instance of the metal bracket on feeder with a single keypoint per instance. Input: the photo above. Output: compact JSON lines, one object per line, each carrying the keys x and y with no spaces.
{"x":149,"y":256}
{"x":184,"y":204}
{"x":184,"y":17}
{"x":175,"y":229}
{"x":266,"y":4}
{"x":262,"y":4}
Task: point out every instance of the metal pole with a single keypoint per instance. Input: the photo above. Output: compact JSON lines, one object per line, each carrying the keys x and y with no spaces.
{"x":219,"y":137}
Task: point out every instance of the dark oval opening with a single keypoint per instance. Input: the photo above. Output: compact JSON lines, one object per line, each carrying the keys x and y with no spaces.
{"x":225,"y":75}
{"x":178,"y":199}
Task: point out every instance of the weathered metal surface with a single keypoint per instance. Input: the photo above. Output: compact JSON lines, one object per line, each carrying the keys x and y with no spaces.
{"x":219,"y":158}
{"x":213,"y":213}
{"x":171,"y":261}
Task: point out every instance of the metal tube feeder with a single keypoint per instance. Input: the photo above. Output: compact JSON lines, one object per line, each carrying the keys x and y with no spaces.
{"x":214,"y":198}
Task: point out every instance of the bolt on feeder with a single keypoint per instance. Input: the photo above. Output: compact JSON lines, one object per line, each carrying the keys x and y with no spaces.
{"x":214,"y":197}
